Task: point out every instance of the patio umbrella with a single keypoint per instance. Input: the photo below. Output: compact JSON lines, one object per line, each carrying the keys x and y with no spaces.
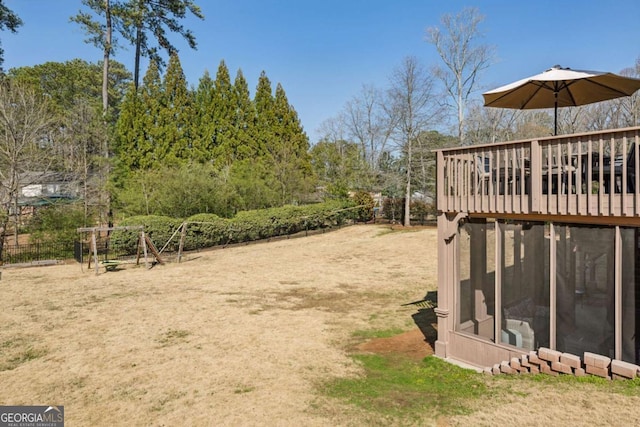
{"x":561,"y":87}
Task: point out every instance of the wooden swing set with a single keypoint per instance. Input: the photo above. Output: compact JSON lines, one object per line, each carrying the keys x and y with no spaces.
{"x":145,"y":245}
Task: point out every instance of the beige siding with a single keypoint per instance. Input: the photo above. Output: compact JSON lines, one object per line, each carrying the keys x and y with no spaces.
{"x":479,"y":352}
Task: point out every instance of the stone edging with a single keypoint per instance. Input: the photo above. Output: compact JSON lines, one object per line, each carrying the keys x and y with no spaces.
{"x":552,"y":362}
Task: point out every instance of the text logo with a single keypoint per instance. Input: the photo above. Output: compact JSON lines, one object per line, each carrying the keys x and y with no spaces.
{"x":31,"y":416}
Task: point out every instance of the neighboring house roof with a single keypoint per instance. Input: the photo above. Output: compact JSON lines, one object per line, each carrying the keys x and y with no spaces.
{"x":45,"y":188}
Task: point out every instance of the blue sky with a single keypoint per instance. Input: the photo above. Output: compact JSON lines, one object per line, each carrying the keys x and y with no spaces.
{"x":324,"y":51}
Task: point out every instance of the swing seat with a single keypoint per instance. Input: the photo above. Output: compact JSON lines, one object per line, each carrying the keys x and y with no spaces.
{"x":110,"y":264}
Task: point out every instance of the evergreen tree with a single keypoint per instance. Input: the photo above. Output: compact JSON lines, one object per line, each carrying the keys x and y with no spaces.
{"x":131,"y":145}
{"x":244,"y":120}
{"x":264,"y":104}
{"x":101,"y":35}
{"x":256,"y":148}
{"x":252,"y":182}
{"x":174,"y":115}
{"x":134,"y":20}
{"x":203,"y":128}
{"x":339,"y":167}
{"x":288,"y":149}
{"x":140,"y":17}
{"x":282,"y":142}
{"x":66,"y":82}
{"x":149,"y":142}
{"x":223,"y":109}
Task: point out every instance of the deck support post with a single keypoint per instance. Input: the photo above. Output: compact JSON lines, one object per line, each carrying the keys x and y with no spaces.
{"x":447,"y":278}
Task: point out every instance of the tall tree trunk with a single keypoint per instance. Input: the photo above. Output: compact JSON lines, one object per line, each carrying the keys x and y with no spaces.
{"x":407,"y":194}
{"x":85,"y":179}
{"x":461,"y":104}
{"x":16,"y":218}
{"x":3,"y":233}
{"x":105,"y":101}
{"x":136,"y":70}
{"x":105,"y":61}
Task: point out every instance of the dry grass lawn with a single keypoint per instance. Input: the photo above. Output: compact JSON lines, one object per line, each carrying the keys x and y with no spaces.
{"x":239,"y":336}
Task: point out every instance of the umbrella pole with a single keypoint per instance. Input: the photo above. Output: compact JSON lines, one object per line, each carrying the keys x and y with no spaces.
{"x":555,"y":114}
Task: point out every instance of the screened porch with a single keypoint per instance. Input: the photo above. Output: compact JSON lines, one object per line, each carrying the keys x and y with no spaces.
{"x":539,"y":246}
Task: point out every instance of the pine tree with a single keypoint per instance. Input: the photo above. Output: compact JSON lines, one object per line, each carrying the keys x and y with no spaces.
{"x":203,"y":128}
{"x":244,"y":121}
{"x":223,"y":111}
{"x":129,"y":134}
{"x":141,"y":17}
{"x":174,"y":116}
{"x":150,"y":136}
{"x":264,"y":104}
{"x":288,"y":149}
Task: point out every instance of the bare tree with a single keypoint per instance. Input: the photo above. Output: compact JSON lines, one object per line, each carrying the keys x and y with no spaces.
{"x":572,"y":120}
{"x":463,"y":58}
{"x":333,"y":129}
{"x":424,"y":162}
{"x":532,"y":124}
{"x":412,"y":104}
{"x":368,"y":123}
{"x":25,"y":126}
{"x":629,"y":106}
{"x":598,"y":116}
{"x":339,"y":163}
{"x":81,"y":144}
{"x":489,"y":125}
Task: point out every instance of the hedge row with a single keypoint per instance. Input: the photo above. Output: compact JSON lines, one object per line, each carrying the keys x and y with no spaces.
{"x":207,"y":230}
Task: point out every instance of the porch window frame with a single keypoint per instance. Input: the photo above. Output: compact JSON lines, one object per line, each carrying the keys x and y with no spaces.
{"x":498,"y":250}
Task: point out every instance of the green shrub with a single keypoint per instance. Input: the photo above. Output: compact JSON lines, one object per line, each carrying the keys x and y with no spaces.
{"x":249,"y":225}
{"x":56,"y":224}
{"x":286,"y":220}
{"x":158,"y":228}
{"x":420,"y":210}
{"x":365,"y":212}
{"x":206,"y":230}
{"x":393,"y":208}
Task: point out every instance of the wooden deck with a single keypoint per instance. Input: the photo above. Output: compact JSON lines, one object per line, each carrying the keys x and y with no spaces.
{"x":589,"y":177}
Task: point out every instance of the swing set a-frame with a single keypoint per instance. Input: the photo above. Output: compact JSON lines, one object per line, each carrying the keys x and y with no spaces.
{"x":145,"y":245}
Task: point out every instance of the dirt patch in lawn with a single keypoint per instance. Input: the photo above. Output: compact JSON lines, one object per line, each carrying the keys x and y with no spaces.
{"x":410,"y":344}
{"x":415,"y":344}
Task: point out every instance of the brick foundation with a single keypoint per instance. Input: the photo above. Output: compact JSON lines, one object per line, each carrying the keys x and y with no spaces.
{"x":552,"y":362}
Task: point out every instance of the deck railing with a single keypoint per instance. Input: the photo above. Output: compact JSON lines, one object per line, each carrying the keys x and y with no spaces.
{"x":589,"y":174}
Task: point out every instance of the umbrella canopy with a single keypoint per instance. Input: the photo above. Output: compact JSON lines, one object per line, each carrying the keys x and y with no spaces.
{"x":561,"y":87}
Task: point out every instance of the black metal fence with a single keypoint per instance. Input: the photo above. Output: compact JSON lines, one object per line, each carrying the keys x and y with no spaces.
{"x":33,"y":252}
{"x":104,"y":248}
{"x":30,"y":252}
{"x":80,"y":251}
